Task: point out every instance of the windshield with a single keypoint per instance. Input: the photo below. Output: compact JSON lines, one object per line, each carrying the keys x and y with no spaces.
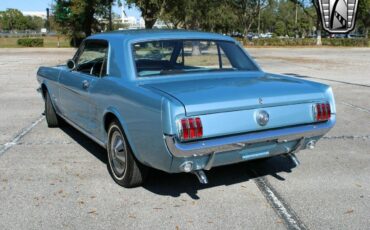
{"x":156,"y":58}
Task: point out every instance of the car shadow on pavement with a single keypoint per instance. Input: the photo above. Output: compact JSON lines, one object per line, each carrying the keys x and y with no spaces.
{"x":174,"y":185}
{"x":93,"y":148}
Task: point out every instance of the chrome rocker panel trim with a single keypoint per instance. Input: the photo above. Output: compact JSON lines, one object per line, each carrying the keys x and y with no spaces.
{"x":238,"y":142}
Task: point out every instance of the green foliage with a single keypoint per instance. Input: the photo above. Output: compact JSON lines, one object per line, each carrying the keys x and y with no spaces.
{"x":222,"y":19}
{"x":13,"y":19}
{"x":363,"y":15}
{"x":71,"y":17}
{"x":295,"y":18}
{"x":248,"y":11}
{"x":67,"y":22}
{"x":228,"y":16}
{"x":280,"y":28}
{"x":31,"y":42}
{"x":150,"y":9}
{"x":289,"y":17}
{"x":78,"y":18}
{"x":209,"y":15}
{"x":34,"y":23}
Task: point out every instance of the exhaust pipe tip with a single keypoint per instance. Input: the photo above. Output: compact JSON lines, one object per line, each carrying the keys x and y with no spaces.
{"x":294,"y":159}
{"x":311,"y":144}
{"x":201,"y":176}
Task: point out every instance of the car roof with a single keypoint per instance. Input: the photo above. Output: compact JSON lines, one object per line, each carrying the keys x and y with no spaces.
{"x":156,"y":34}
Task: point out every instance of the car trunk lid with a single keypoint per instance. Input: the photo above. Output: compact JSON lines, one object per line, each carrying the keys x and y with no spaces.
{"x":240,"y":92}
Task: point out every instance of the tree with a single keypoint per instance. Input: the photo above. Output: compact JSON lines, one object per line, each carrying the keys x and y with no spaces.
{"x":268,"y":17}
{"x":280,"y":28}
{"x":248,"y":11}
{"x":12,"y":19}
{"x":34,"y":23}
{"x":221,"y":18}
{"x":208,"y":15}
{"x":363,"y":15}
{"x":84,"y":11}
{"x":316,"y":16}
{"x":196,"y":14}
{"x":215,"y":16}
{"x":78,"y":18}
{"x":106,"y":11}
{"x":68,"y":22}
{"x":174,"y":14}
{"x":150,"y":10}
{"x":315,"y":3}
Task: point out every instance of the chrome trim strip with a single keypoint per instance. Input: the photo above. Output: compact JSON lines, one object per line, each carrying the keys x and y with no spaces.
{"x":99,"y":142}
{"x":230,"y":143}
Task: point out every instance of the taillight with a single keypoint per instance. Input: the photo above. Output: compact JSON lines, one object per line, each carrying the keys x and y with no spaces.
{"x":190,"y":129}
{"x":322,"y":111}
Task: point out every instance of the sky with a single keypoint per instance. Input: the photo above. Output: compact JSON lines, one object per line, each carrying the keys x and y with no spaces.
{"x":41,"y":5}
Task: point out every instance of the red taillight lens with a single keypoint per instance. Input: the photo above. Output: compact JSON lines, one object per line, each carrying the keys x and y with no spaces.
{"x":199,"y":127}
{"x":328,"y":111}
{"x":185,"y":129}
{"x":191,"y":128}
{"x":322,"y":111}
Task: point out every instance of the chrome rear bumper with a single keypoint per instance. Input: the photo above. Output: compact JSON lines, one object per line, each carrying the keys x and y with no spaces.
{"x":238,"y":142}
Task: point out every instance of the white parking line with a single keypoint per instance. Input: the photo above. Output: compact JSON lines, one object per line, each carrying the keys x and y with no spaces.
{"x":347,"y":137}
{"x":290,"y":219}
{"x":355,"y":107}
{"x":16,"y":139}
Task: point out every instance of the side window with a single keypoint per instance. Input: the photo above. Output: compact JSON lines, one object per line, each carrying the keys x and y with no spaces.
{"x":92,"y":59}
{"x":157,"y":50}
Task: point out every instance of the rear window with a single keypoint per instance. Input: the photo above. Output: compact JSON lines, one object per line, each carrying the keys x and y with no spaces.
{"x":156,"y":58}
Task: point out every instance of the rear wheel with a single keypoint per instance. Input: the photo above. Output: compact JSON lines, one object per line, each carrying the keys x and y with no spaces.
{"x":122,"y":165}
{"x":51,"y":116}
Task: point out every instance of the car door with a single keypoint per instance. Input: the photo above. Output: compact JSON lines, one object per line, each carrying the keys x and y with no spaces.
{"x":78,"y":83}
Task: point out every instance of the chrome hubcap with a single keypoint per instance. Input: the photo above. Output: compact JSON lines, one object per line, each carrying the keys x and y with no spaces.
{"x":118,"y":152}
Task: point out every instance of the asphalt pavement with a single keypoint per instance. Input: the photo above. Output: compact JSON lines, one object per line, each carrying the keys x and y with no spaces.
{"x":58,"y":178}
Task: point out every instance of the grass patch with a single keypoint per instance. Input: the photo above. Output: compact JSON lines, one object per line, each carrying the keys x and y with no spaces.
{"x":49,"y":42}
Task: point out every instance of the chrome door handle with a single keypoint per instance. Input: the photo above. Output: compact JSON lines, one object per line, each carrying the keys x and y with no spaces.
{"x":85,"y":84}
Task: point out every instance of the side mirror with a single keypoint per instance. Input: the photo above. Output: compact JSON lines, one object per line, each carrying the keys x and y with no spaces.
{"x":71,"y":64}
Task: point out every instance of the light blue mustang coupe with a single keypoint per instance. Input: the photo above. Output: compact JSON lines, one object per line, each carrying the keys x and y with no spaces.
{"x":181,"y":101}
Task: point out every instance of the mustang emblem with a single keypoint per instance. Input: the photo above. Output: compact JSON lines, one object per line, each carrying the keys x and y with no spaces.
{"x":262,"y":118}
{"x":260,"y":101}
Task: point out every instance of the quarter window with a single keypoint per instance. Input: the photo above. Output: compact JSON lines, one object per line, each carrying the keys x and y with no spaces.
{"x":93,"y":58}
